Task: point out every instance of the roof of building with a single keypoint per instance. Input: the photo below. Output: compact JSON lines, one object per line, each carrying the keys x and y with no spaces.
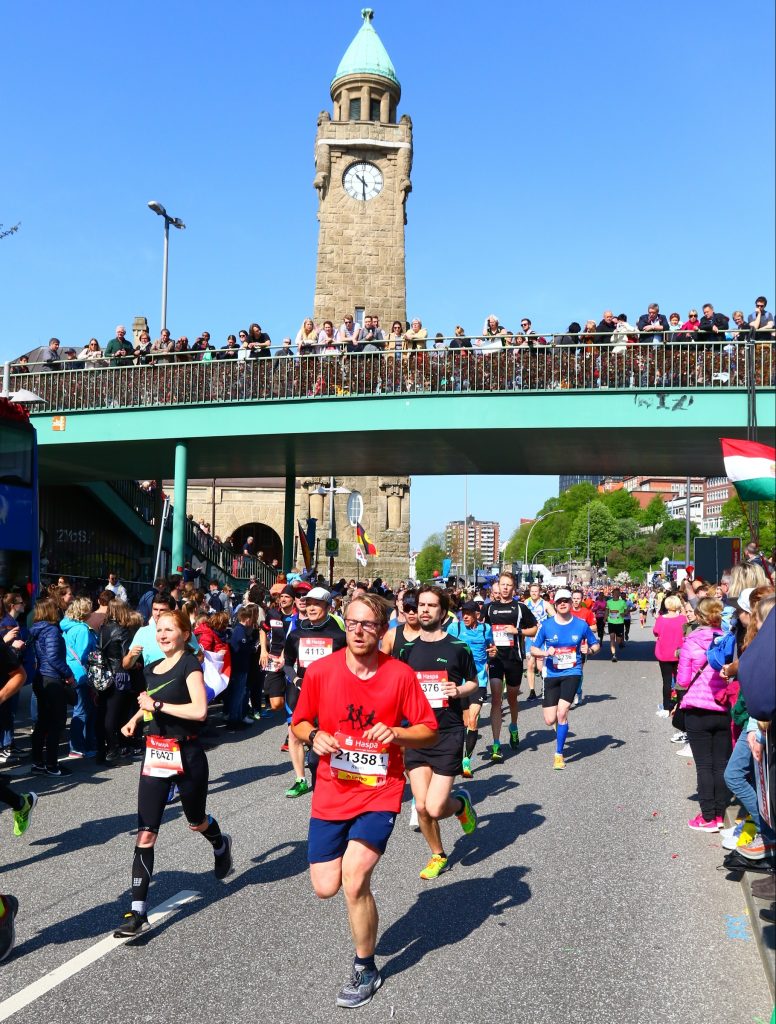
{"x":366,"y":55}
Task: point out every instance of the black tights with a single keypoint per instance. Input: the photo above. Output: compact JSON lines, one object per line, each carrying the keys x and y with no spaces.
{"x":708,"y":733}
{"x":668,"y":673}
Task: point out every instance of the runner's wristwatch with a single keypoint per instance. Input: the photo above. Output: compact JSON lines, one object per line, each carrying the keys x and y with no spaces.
{"x":158,"y":705}
{"x":311,"y":737}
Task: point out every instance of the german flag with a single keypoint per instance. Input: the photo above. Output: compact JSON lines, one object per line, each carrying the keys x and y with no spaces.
{"x":365,"y":542}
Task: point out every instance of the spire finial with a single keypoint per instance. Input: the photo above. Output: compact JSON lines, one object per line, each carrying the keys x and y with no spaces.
{"x":367,"y":13}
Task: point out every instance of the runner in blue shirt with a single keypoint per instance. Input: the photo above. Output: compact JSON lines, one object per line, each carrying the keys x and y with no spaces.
{"x":479,"y":637}
{"x":561,"y":638}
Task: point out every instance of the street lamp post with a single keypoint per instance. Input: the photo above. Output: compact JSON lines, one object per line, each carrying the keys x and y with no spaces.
{"x":536,"y":523}
{"x":176,"y":223}
{"x":331,"y":490}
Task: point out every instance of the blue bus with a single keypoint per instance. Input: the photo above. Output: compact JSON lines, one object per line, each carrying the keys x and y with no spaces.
{"x":19,"y":533}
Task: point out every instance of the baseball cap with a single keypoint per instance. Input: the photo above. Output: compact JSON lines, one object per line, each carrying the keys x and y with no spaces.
{"x":471,"y":606}
{"x":319,"y":594}
{"x":742,"y":601}
{"x":302,"y":588}
{"x":560,"y":594}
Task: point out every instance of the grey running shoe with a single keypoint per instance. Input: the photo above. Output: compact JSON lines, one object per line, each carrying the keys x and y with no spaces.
{"x":223,"y":860}
{"x":8,"y":928}
{"x":359,"y":988}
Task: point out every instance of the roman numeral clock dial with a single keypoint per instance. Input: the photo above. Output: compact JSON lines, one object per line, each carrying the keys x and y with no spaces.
{"x":362,"y":181}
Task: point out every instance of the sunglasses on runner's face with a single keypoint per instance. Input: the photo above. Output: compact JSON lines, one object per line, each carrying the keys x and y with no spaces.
{"x":562,"y":600}
{"x":409,"y":606}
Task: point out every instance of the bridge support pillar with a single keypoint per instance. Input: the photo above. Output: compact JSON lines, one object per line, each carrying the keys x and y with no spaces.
{"x":179,"y":508}
{"x":288,"y":520}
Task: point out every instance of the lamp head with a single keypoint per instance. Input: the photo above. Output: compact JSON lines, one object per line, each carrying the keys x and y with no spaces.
{"x":157,"y":208}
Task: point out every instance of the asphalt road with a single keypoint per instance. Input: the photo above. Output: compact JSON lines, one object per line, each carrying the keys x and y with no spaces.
{"x":582,"y":895}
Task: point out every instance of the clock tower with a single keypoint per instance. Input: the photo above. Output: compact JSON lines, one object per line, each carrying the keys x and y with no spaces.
{"x":363,"y":159}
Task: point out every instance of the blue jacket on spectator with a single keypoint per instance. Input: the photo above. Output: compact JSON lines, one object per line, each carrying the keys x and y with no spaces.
{"x":243,"y":648}
{"x":50,"y":650}
{"x":757,"y":673}
{"x":79,"y":640}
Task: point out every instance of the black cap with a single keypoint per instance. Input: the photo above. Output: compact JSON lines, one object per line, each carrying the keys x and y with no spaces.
{"x":471,"y":606}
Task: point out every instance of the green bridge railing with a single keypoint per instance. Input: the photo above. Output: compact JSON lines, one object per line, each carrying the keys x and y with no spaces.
{"x":590,"y":367}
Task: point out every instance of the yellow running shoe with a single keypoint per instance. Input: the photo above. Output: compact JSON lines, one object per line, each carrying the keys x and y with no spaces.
{"x":558,"y":763}
{"x":435,"y":866}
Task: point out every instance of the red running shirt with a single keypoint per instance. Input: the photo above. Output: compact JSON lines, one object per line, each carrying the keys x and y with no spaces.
{"x":364,"y":778}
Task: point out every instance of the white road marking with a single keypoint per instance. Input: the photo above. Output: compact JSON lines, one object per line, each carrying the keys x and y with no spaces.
{"x":85,"y":959}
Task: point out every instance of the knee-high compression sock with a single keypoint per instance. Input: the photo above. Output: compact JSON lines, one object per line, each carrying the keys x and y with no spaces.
{"x":213,"y":835}
{"x":142,"y":870}
{"x":560,"y":739}
{"x":472,"y":735}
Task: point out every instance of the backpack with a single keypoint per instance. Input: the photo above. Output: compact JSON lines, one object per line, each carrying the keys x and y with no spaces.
{"x":100,"y":676}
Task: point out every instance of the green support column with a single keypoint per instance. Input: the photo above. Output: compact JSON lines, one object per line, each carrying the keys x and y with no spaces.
{"x":288,"y":521}
{"x":179,"y":508}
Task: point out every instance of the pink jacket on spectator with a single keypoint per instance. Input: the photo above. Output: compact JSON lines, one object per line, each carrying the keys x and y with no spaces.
{"x":709,"y":684}
{"x":669,"y":630}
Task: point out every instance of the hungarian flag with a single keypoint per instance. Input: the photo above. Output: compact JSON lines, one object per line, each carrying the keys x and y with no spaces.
{"x":364,"y":541}
{"x":751,"y":468}
{"x":304,"y":547}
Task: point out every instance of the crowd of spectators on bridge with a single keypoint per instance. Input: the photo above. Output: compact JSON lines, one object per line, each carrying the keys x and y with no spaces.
{"x":366,"y":358}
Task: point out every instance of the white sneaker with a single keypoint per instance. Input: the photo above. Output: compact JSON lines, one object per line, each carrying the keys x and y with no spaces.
{"x":679,"y":737}
{"x":662,"y":713}
{"x":414,"y":823}
{"x":575,"y":702}
{"x":685,"y":751}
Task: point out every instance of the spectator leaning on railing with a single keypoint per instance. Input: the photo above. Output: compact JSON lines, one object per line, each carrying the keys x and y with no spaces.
{"x":653,"y":323}
{"x":119,"y":348}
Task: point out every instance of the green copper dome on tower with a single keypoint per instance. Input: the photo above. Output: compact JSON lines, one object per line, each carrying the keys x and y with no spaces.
{"x":366,"y":55}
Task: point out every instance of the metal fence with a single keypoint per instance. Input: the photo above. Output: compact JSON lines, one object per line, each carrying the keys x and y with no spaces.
{"x":565,"y":363}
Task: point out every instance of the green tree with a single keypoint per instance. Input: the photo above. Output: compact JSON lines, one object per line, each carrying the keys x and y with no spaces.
{"x":603,"y":529}
{"x":621,"y":504}
{"x":655,"y":514}
{"x":430,"y":557}
{"x":734,"y":522}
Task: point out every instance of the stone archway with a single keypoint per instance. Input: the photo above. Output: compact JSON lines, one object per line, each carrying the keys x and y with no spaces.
{"x":265,"y":540}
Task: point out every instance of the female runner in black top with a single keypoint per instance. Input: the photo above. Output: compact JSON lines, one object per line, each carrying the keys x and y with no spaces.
{"x":173,"y":708}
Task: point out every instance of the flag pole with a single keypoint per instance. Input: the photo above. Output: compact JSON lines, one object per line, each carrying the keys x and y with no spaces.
{"x":746,"y":516}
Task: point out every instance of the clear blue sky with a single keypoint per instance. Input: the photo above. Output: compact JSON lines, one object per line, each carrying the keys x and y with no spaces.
{"x":568,"y":158}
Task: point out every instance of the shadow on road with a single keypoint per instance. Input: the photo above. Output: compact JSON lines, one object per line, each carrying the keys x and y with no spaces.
{"x":497,"y":832}
{"x":447,"y":914}
{"x":577,"y":749}
{"x":244,"y":776}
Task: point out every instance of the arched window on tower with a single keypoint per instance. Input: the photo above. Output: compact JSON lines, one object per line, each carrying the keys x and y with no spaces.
{"x":374,"y":109}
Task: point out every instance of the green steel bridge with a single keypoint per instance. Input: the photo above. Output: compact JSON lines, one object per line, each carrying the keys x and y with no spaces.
{"x":547,"y":410}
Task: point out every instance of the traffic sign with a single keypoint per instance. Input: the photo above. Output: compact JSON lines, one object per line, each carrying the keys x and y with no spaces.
{"x":332,"y":547}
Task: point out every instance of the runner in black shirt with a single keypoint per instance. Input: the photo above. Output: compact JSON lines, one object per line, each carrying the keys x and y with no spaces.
{"x":173,"y":708}
{"x":511,"y":621}
{"x":315,"y":637}
{"x":447,"y":673}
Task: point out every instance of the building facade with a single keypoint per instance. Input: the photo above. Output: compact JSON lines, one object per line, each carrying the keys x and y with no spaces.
{"x":480,"y":536}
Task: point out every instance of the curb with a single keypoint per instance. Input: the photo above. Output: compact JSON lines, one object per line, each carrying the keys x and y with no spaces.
{"x":764,"y":931}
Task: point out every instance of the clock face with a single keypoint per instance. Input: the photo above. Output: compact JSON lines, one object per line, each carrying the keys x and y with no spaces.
{"x":362,"y":181}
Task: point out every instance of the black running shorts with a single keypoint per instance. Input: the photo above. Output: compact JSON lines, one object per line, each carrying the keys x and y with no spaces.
{"x":510,"y":671}
{"x":444,"y":758}
{"x":152,"y":793}
{"x":559,"y":688}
